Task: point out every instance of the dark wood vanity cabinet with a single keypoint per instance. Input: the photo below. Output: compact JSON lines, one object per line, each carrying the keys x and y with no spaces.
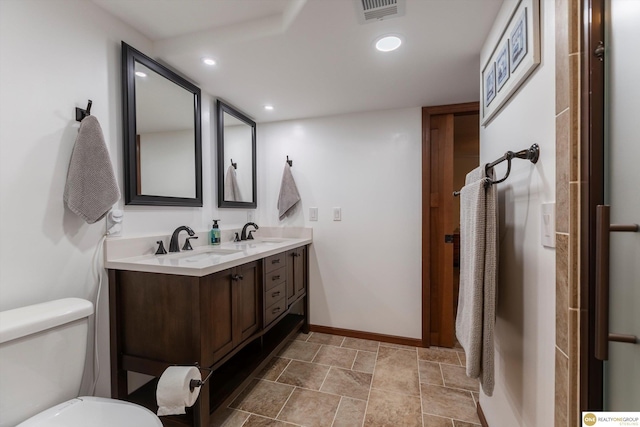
{"x":232,"y":309}
{"x":296,"y":273}
{"x":158,"y":320}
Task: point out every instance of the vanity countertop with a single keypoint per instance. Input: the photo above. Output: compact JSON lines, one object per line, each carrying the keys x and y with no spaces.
{"x":207,"y":259}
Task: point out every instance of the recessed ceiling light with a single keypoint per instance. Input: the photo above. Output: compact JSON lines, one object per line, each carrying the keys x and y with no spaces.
{"x":268,"y":107}
{"x":141,"y":74}
{"x":209,"y":61}
{"x":388,"y":43}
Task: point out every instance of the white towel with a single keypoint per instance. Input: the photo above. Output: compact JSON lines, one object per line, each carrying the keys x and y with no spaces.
{"x":91,"y":188}
{"x":289,"y":195}
{"x":231,"y":188}
{"x":478,"y":268}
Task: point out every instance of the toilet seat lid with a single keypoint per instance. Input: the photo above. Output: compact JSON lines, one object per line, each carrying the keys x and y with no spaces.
{"x":96,"y":412}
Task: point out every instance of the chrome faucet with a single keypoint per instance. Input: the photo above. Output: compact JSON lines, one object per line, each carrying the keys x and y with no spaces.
{"x":243,"y":235}
{"x":173,"y":244}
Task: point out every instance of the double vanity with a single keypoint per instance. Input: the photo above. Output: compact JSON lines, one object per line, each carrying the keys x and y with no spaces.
{"x":228,"y":308}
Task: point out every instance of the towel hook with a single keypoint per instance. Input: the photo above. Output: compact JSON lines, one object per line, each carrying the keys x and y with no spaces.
{"x":289,"y":161}
{"x":81,"y":114}
{"x":235,"y":165}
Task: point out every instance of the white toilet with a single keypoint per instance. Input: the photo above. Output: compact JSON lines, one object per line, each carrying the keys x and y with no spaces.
{"x":42,"y":356}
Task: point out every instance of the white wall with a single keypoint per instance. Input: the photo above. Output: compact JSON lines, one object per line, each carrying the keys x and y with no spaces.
{"x":525,"y":324}
{"x":54,"y":56}
{"x":365,"y":271}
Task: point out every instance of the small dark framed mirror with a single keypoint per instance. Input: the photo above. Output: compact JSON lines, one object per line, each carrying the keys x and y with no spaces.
{"x":162,"y":134}
{"x":236,"y":158}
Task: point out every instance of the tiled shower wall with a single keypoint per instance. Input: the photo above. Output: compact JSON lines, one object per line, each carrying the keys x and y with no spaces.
{"x":568,"y":314}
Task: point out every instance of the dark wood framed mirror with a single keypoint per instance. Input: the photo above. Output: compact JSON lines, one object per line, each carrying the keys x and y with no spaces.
{"x":236,"y":158}
{"x":162,"y":134}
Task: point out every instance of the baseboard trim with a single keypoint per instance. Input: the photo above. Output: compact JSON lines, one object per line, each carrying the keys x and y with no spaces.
{"x":483,"y":420}
{"x":392,"y":339}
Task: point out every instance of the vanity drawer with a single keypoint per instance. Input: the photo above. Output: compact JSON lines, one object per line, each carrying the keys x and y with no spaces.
{"x":273,"y":295}
{"x":275,"y":310}
{"x":274,"y":262}
{"x":275,"y":278}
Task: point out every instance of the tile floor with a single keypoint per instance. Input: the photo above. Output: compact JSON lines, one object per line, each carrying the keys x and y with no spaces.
{"x":323,"y":380}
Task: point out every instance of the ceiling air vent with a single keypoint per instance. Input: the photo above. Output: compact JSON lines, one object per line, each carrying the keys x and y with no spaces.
{"x":377,"y":10}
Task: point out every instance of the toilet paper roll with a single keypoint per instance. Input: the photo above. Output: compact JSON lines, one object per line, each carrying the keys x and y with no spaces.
{"x":173,"y":393}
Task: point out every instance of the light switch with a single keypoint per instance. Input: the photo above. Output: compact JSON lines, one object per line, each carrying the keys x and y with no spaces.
{"x":548,"y":224}
{"x":313,"y":214}
{"x":337,"y":214}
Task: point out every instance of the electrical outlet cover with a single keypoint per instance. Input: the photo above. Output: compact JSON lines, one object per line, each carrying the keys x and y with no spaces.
{"x":548,"y":224}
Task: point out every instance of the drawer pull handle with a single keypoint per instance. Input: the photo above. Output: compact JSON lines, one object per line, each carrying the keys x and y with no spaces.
{"x":275,"y":294}
{"x":276,"y":277}
{"x":275,"y":310}
{"x":275,"y":261}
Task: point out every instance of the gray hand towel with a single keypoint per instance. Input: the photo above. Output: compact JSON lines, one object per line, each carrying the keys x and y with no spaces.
{"x":231,"y":188}
{"x":478,"y":268}
{"x":289,"y":195}
{"x":91,"y":188}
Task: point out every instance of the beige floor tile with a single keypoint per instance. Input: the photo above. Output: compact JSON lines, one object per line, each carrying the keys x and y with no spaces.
{"x":348,"y":383}
{"x":229,"y":418}
{"x":397,"y":371}
{"x":392,"y":409}
{"x":463,"y":358}
{"x":430,"y":372}
{"x":435,"y":421}
{"x":457,"y":423}
{"x":327,"y":339}
{"x":258,"y":421}
{"x":304,"y":374}
{"x":406,"y":347}
{"x":456,"y":377}
{"x":335,"y":356}
{"x":302,"y":336}
{"x":448,"y":402}
{"x":440,"y":355}
{"x":350,"y":412}
{"x":365,"y":361}
{"x":310,"y":408}
{"x":263,"y":398}
{"x":273,"y":369}
{"x":476,"y":397}
{"x":360,"y":344}
{"x":300,"y":350}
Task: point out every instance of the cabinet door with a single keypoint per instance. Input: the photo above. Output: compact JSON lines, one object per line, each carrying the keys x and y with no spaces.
{"x":217,"y":297}
{"x":295,"y":274}
{"x":247,"y":301}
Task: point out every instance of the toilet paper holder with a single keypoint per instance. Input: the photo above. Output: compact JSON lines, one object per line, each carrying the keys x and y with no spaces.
{"x":198,"y":383}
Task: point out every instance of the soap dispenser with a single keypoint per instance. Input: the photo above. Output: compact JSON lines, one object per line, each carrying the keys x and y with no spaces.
{"x":214,"y":234}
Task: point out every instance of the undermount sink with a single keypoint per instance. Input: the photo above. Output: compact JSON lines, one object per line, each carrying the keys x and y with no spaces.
{"x":189,"y":257}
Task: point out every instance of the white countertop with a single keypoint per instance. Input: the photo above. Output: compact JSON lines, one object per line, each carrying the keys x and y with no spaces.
{"x":205,"y":259}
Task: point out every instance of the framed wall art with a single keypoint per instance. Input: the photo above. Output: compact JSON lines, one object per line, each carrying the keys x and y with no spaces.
{"x":511,"y":59}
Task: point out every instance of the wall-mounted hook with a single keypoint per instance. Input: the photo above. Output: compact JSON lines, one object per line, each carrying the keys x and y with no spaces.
{"x":235,"y":165}
{"x":81,"y":114}
{"x":289,"y":161}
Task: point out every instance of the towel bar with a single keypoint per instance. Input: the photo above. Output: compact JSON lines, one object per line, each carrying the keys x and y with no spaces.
{"x":532,"y":154}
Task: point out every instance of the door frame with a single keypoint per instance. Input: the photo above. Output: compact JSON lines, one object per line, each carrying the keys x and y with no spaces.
{"x":427,"y":112}
{"x":592,"y":176}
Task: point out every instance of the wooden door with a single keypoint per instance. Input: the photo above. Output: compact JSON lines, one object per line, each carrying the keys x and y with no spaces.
{"x":438,"y":296}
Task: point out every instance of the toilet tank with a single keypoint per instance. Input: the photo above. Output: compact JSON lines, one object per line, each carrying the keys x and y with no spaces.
{"x":42,"y":354}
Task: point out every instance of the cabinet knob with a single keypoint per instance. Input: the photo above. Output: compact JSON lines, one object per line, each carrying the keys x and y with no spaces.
{"x":237,"y":277}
